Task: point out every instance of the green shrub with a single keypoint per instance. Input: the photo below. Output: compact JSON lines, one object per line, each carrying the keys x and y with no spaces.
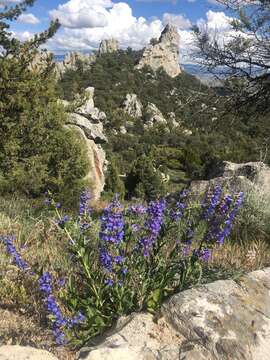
{"x":36,"y":150}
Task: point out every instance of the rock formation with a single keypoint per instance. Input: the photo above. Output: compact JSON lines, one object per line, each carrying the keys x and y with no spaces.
{"x":222,"y":320}
{"x":71,"y":60}
{"x":86,"y":119}
{"x":238,"y":177}
{"x":108,"y":46}
{"x":16,"y":352}
{"x":153,"y":116}
{"x":133,"y":106}
{"x":164,"y":54}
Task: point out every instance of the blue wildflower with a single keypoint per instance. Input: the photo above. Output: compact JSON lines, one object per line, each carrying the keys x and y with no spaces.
{"x":62,"y":222}
{"x":211,"y":202}
{"x":16,"y":257}
{"x":153,"y":224}
{"x":83,"y":205}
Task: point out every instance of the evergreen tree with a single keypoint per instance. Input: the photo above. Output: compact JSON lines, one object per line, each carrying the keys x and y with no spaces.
{"x":36,"y":150}
{"x":114,"y":184}
{"x":145,"y":181}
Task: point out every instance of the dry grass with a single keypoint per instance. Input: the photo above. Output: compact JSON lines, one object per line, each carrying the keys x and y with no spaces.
{"x":249,"y":257}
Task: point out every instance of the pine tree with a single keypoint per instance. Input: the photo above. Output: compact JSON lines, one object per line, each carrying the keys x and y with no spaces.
{"x":145,"y":181}
{"x":37,"y":151}
{"x":114,"y":184}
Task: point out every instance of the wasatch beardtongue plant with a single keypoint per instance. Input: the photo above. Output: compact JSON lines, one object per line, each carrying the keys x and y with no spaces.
{"x":153,"y":224}
{"x":113,"y":279}
{"x":225,"y":232}
{"x":59,"y":322}
{"x":17,"y":260}
{"x":84,"y":208}
{"x":111,"y":236}
{"x":210,"y":204}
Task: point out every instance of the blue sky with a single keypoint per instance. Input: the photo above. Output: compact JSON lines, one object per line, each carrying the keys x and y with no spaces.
{"x":132,"y":22}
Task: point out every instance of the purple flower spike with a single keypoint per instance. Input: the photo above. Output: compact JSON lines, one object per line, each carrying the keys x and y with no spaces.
{"x":153,"y":225}
{"x":83,"y":206}
{"x":17,"y":259}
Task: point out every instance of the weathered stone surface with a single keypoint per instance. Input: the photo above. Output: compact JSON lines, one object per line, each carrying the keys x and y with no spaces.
{"x":87,"y":120}
{"x":237,"y":177}
{"x":256,"y":172}
{"x":92,"y":131}
{"x":15,"y":352}
{"x":164,"y":54}
{"x":108,"y":46}
{"x":154,"y":116}
{"x":219,"y":321}
{"x":71,"y":60}
{"x":97,"y":160}
{"x":133,"y":106}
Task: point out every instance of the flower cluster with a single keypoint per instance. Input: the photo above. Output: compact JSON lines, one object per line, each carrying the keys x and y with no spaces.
{"x":153,"y":224}
{"x":84,"y":207}
{"x":225,"y":232}
{"x":112,"y":224}
{"x":17,"y":260}
{"x":111,"y":236}
{"x":178,"y":211}
{"x":59,"y":322}
{"x":137,"y":209}
{"x":211,"y":202}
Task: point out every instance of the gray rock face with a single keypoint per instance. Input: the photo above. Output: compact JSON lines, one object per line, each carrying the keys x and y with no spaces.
{"x":239,"y":177}
{"x":71,"y":60}
{"x":88,"y":109}
{"x":154,"y":115}
{"x":164,"y":54}
{"x":108,"y":46}
{"x":86,"y":119}
{"x":15,"y":352}
{"x":133,"y":106}
{"x":219,"y":321}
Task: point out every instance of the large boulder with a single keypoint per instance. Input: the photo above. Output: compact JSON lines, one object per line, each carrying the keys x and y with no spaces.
{"x":237,"y":177}
{"x":164,"y":54}
{"x":108,"y":46}
{"x":15,"y":352}
{"x":87,"y":121}
{"x":219,"y":321}
{"x":97,"y":160}
{"x":133,"y":106}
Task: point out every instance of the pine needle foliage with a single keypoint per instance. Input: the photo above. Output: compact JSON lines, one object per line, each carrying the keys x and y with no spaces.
{"x":37,"y":151}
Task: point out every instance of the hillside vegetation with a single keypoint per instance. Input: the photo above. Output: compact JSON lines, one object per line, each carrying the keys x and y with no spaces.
{"x":216,"y":131}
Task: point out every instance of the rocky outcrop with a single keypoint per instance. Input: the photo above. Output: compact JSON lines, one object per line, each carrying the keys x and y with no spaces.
{"x":219,"y":321}
{"x":15,"y":352}
{"x":238,"y":177}
{"x":108,"y":46}
{"x":153,"y":115}
{"x":87,"y":121}
{"x":88,"y":108}
{"x":71,"y":61}
{"x":133,"y":106}
{"x":164,"y":54}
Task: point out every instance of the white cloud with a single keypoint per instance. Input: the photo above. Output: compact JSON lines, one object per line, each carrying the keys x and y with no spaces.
{"x":28,"y":19}
{"x":23,"y":35}
{"x":81,"y":33}
{"x":120,"y":24}
{"x":177,"y":19}
{"x":216,"y":23}
{"x":82,"y":13}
